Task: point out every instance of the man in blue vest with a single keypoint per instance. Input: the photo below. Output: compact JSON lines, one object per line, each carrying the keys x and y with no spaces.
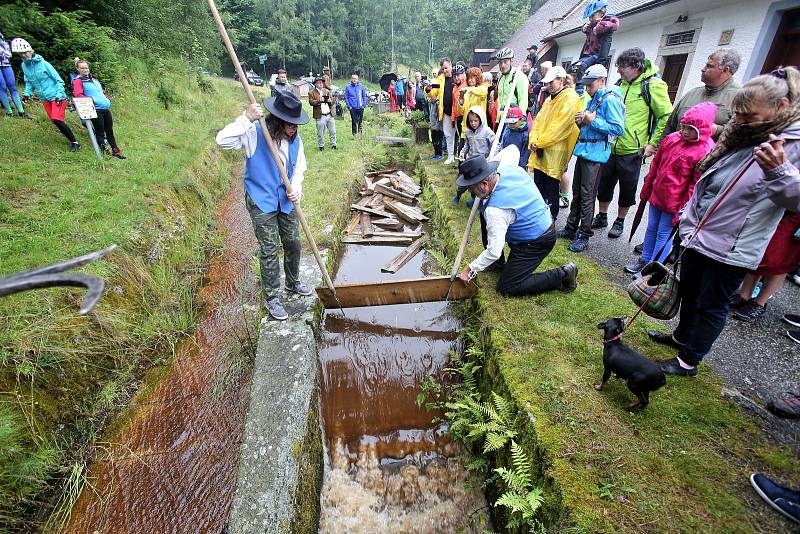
{"x":356,"y":97}
{"x":269,"y":202}
{"x":516,"y":214}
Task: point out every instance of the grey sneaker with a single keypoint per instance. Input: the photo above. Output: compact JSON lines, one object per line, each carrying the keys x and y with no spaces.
{"x":750,"y":311}
{"x":617,"y":228}
{"x":301,"y":289}
{"x":275,"y":308}
{"x":635,"y":267}
{"x":579,"y":244}
{"x":600,"y":221}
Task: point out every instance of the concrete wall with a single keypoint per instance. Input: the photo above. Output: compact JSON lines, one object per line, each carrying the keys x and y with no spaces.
{"x":753,"y":23}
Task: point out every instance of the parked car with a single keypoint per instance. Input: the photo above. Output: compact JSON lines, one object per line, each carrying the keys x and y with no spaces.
{"x":252,"y":77}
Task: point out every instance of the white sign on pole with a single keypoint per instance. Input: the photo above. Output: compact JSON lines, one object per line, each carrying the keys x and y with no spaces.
{"x":262,"y":59}
{"x":85,"y":107}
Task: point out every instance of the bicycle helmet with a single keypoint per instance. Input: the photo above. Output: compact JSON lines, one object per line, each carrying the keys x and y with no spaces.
{"x":593,"y":7}
{"x":20,"y":45}
{"x":504,"y":53}
{"x":459,"y":69}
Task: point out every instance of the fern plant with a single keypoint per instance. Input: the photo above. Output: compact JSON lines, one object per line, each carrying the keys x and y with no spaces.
{"x":521,"y":498}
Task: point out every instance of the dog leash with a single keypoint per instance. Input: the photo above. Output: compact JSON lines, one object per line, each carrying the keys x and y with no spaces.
{"x":711,"y":210}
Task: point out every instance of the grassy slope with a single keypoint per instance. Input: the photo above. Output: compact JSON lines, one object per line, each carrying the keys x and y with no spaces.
{"x":679,"y":465}
{"x":62,"y":376}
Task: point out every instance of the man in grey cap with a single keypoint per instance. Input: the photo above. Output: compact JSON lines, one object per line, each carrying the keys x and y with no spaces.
{"x":601,"y":121}
{"x":516,"y":214}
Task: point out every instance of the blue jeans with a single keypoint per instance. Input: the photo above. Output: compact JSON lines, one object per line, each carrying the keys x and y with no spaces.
{"x":659,"y":226}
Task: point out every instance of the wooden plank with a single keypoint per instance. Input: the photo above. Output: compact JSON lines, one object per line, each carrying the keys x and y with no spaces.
{"x":389,"y":241}
{"x":378,"y":173}
{"x":364,"y":201}
{"x":407,"y":213}
{"x":408,"y":180}
{"x":388,"y":224}
{"x":404,"y":257}
{"x":376,"y":202}
{"x":366,"y":225}
{"x":382,"y":233}
{"x":394,"y":193}
{"x":371,"y":211}
{"x":368,"y":182}
{"x":396,"y":292}
{"x":405,"y":187}
{"x":352,"y":224}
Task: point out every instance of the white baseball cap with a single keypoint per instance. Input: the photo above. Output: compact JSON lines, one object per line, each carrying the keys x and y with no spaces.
{"x":594,"y":72}
{"x":552,"y":74}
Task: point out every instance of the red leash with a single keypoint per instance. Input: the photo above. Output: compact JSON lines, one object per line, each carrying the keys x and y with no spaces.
{"x":703,"y":222}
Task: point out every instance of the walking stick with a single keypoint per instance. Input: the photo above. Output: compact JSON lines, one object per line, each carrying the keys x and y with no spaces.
{"x":476,"y":204}
{"x":268,"y":138}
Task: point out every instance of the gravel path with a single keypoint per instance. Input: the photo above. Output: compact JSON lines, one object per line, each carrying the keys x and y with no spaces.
{"x":757,"y":360}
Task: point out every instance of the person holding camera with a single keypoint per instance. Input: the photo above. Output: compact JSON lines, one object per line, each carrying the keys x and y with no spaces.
{"x":321,"y":102}
{"x":40,"y":76}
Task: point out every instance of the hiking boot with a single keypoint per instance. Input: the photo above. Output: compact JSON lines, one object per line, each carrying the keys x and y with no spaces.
{"x":580,"y":243}
{"x":736,"y":301}
{"x":616,"y":228}
{"x":570,"y":281}
{"x":333,"y":147}
{"x":787,"y":405}
{"x":300,"y":288}
{"x":74,"y":147}
{"x":635,"y":267}
{"x":781,"y":499}
{"x":321,"y":148}
{"x":638,"y":249}
{"x":792,"y":318}
{"x":566,"y":234}
{"x":750,"y":311}
{"x":663,"y":339}
{"x":436,"y":157}
{"x":24,"y":115}
{"x":275,"y":308}
{"x":117,"y":154}
{"x":673,"y":367}
{"x":794,"y":335}
{"x":456,"y":200}
{"x":600,"y":221}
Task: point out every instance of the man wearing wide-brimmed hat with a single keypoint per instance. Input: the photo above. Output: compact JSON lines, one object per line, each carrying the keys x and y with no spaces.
{"x":270,"y":205}
{"x":516,"y":214}
{"x":322,"y":110}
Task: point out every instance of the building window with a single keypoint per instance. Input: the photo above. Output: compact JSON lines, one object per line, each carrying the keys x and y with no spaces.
{"x":674,"y":39}
{"x":566,"y":63}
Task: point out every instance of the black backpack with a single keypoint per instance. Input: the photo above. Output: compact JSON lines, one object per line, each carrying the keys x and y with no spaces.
{"x":651,"y":118}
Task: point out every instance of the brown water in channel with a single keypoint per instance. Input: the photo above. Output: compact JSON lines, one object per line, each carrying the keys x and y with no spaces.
{"x":391,"y":466}
{"x":174,"y":468}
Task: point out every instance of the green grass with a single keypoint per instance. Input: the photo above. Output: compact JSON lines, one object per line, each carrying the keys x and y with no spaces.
{"x":680,"y":465}
{"x":65,"y":380}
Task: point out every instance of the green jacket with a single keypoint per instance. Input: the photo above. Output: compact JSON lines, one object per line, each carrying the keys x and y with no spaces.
{"x":520,"y":97}
{"x":637,"y":113}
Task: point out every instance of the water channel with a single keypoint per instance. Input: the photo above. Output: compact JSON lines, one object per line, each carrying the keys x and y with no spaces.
{"x":391,"y":468}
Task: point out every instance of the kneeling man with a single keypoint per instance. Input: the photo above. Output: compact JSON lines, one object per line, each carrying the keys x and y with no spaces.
{"x":516,"y":214}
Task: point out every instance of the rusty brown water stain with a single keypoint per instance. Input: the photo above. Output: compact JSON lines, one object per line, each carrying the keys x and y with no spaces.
{"x":173,"y":469}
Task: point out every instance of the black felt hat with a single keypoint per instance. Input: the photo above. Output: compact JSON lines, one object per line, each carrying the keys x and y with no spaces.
{"x":287,"y":107}
{"x":474,"y":170}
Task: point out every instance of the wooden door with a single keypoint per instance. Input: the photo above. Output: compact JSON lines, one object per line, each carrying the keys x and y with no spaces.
{"x":673,"y":72}
{"x":785,"y":49}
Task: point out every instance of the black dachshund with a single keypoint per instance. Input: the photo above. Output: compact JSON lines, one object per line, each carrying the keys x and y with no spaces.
{"x":642,"y":374}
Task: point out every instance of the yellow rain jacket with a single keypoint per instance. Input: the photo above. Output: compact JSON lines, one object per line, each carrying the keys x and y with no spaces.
{"x":438,"y":92}
{"x":473,"y":96}
{"x":555,"y":132}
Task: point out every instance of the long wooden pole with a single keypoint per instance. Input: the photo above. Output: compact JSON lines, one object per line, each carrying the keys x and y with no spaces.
{"x":268,"y":138}
{"x":476,"y":204}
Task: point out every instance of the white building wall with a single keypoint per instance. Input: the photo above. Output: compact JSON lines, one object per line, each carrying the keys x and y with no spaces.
{"x":645,"y":31}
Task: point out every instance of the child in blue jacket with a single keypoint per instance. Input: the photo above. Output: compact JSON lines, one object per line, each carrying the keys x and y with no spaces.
{"x":516,"y":133}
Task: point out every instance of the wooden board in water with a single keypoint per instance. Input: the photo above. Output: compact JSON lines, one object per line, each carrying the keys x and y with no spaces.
{"x":395,"y":292}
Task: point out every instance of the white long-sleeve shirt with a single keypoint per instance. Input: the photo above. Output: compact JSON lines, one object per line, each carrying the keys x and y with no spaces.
{"x":242,"y":133}
{"x":497,"y":219}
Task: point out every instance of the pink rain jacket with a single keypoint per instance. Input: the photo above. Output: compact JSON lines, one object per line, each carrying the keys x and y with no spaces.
{"x":670,"y":182}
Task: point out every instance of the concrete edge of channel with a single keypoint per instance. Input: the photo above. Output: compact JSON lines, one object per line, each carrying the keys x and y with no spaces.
{"x":280,"y":457}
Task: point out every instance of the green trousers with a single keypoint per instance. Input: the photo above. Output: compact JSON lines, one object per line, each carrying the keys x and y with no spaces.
{"x":272,"y":230}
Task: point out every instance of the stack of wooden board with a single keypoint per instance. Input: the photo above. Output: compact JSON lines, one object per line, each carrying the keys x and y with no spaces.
{"x":388,"y":213}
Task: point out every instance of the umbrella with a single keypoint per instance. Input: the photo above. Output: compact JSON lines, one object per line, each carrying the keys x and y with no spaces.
{"x":637,"y":218}
{"x":386,"y":79}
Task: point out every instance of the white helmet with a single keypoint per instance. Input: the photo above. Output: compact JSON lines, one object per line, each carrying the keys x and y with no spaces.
{"x":504,"y":53}
{"x":20,"y":45}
